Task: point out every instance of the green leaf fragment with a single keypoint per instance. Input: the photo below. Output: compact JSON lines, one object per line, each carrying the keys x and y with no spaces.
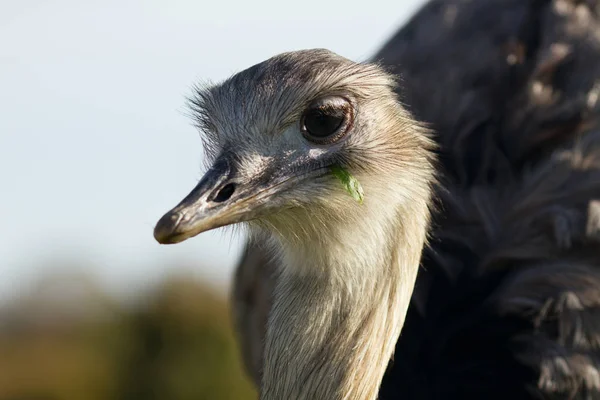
{"x":350,"y":183}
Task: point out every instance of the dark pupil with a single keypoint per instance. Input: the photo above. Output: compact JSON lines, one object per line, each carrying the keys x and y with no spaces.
{"x":322,"y":123}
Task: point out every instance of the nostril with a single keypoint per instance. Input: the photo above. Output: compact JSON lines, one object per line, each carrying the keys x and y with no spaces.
{"x":225,"y":193}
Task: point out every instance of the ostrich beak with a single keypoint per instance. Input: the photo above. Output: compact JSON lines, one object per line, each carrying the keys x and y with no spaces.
{"x":223,"y":197}
{"x":219,"y":199}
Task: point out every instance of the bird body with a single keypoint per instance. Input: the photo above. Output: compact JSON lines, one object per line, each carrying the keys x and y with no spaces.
{"x":506,"y":301}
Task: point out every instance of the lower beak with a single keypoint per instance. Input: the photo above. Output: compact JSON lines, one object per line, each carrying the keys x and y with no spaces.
{"x":219,"y":199}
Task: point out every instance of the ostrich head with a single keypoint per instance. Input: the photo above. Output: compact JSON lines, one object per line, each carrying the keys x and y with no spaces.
{"x":272,"y":134}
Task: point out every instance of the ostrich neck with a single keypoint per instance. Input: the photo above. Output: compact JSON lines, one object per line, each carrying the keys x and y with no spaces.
{"x":337,"y":314}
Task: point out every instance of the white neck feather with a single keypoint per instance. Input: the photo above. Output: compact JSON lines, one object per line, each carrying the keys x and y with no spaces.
{"x":340,"y":303}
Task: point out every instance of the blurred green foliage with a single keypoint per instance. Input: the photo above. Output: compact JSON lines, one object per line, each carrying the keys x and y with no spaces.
{"x":174,"y":343}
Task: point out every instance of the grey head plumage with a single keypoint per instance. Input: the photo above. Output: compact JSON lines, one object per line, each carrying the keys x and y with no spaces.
{"x":253,"y":132}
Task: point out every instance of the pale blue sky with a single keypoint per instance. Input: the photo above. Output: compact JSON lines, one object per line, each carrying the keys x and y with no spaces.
{"x":94,"y":143}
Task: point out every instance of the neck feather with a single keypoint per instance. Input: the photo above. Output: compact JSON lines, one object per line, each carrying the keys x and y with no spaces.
{"x":339,"y":306}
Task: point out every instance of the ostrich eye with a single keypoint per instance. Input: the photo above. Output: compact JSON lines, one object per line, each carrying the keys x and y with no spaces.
{"x":321,"y":123}
{"x":326,"y":120}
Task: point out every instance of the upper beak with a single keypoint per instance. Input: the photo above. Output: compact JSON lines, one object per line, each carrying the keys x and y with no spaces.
{"x":223,"y":197}
{"x":216,"y":201}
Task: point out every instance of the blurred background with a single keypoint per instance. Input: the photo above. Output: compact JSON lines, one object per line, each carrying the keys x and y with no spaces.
{"x":95,"y":146}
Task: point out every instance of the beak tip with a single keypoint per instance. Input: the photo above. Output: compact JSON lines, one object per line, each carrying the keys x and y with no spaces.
{"x":165,"y":231}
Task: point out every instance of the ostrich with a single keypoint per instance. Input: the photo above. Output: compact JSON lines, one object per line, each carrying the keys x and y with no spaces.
{"x":480,"y":171}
